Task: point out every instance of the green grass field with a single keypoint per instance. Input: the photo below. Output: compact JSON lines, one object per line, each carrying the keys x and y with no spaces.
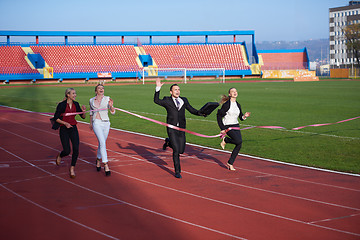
{"x":286,"y":104}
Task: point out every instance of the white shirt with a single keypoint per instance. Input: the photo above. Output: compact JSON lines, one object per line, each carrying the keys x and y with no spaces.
{"x":103,"y":104}
{"x":232,"y":114}
{"x":181,"y":102}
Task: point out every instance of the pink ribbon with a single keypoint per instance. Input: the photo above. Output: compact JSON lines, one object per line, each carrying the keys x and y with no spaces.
{"x":168,"y":125}
{"x":325,"y":124}
{"x":151,"y":120}
{"x":75,"y":113}
{"x":207,"y":136}
{"x":191,"y":132}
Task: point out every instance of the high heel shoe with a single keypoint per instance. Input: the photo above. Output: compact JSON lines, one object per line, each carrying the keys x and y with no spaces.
{"x":58,"y":160}
{"x":230,"y":167}
{"x":223,"y":143}
{"x":72,"y":174}
{"x":98,"y":165}
{"x":107,"y":173}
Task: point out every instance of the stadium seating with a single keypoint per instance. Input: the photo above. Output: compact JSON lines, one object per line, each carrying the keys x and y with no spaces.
{"x":122,"y":58}
{"x":284,"y":60}
{"x":228,"y":56}
{"x":12,"y":61}
{"x":89,"y":58}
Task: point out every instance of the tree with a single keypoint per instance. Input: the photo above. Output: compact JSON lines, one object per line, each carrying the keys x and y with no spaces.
{"x":352,"y":36}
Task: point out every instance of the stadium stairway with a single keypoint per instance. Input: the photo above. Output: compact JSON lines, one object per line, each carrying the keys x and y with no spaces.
{"x":43,"y":71}
{"x":150,"y":69}
{"x":255,"y":67}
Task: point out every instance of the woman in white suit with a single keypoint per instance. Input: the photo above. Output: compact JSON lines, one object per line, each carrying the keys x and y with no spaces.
{"x":100,"y":123}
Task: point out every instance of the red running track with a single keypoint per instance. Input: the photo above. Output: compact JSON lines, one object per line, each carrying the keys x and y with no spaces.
{"x":142,"y":199}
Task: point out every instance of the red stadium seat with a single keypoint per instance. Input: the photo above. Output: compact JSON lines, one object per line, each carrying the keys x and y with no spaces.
{"x":228,"y":56}
{"x":89,"y":58}
{"x":284,"y":60}
{"x":12,"y":61}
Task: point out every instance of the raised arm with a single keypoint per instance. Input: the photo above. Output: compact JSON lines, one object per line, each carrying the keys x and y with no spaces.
{"x":157,"y":92}
{"x":158,"y":83}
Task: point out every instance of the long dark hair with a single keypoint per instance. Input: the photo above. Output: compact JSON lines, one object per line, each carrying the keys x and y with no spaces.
{"x":100,"y":84}
{"x":225,"y":98}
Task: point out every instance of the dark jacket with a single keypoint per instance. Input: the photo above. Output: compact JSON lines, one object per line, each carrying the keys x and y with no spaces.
{"x":222,"y":112}
{"x":60,"y":109}
{"x":175,"y":116}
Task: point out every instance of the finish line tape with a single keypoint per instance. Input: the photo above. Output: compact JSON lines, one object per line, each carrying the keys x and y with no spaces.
{"x":213,"y":136}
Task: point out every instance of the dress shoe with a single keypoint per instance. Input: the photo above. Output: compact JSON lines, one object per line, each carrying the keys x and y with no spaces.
{"x":58,"y":160}
{"x":230,"y":167}
{"x":98,"y":165}
{"x":178,"y":175}
{"x":166,"y":144}
{"x":107,"y":173}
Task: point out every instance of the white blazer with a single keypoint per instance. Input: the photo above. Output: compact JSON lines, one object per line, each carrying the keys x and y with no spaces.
{"x":103,"y":104}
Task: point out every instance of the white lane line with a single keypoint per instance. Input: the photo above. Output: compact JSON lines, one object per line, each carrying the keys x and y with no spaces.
{"x":334,"y":219}
{"x":247,"y":125}
{"x":194,"y":195}
{"x":202,"y":176}
{"x":58,"y":214}
{"x":115,"y":199}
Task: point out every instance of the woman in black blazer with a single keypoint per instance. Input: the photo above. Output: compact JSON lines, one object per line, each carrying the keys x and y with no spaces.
{"x":227,"y":117}
{"x":68,"y":130}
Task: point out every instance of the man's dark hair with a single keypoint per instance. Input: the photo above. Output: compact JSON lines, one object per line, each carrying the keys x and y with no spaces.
{"x":173,"y":86}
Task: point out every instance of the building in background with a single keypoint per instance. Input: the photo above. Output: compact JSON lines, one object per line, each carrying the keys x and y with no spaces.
{"x":339,"y":18}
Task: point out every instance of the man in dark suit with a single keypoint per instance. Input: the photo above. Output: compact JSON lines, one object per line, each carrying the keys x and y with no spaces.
{"x":175,"y":107}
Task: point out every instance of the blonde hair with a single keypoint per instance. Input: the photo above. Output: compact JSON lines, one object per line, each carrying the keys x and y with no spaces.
{"x":67,"y":91}
{"x":225,"y":98}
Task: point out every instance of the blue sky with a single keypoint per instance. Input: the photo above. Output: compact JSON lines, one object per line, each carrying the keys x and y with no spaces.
{"x":272,"y":20}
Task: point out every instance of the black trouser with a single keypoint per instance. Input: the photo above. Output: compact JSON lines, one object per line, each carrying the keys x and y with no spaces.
{"x":177,"y":143}
{"x":235,"y":138}
{"x":67,"y":134}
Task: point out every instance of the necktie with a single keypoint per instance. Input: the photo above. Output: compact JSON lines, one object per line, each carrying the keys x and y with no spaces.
{"x":177,"y":103}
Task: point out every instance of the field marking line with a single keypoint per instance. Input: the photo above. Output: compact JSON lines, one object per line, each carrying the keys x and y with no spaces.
{"x":247,"y":125}
{"x":202,"y":176}
{"x":242,"y":154}
{"x":115,"y":199}
{"x":281,"y":176}
{"x":258,"y":158}
{"x":187,"y":193}
{"x":130,"y":156}
{"x":58,"y":214}
{"x":205,"y":120}
{"x":237,"y":184}
{"x":206,"y":177}
{"x":214,"y":149}
{"x":334,"y":219}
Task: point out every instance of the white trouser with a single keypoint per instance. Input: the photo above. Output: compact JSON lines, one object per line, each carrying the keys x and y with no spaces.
{"x":101,"y":130}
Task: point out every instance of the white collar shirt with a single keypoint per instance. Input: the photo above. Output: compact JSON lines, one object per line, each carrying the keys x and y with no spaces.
{"x":181,"y":102}
{"x":103,"y":104}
